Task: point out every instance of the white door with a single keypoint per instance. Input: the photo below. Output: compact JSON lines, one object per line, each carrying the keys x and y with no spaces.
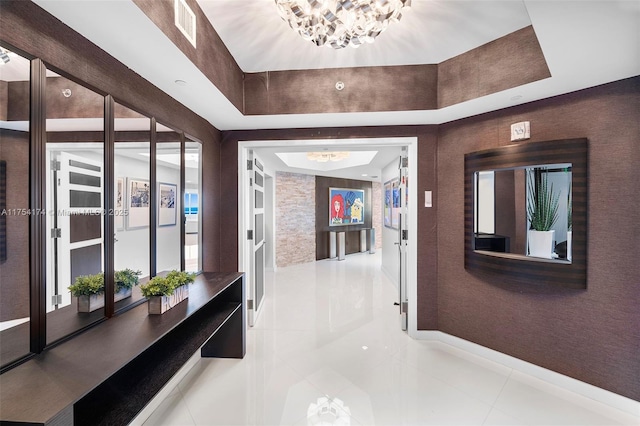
{"x":403,"y":236}
{"x":256,"y":236}
{"x":76,"y":224}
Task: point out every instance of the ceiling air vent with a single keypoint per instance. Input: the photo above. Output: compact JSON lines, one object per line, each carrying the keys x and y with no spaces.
{"x":185,"y":20}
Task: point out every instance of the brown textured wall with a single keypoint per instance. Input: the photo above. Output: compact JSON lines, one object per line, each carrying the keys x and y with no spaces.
{"x":591,"y":334}
{"x":210,"y":55}
{"x":510,"y":61}
{"x":295,"y":219}
{"x":212,"y":219}
{"x":428,"y":235}
{"x":14,"y":149}
{"x":393,"y":88}
{"x":4,"y":100}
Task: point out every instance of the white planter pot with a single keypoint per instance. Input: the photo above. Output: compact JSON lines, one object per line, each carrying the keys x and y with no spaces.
{"x":96,"y":301}
{"x":161,"y":304}
{"x":569,"y":236}
{"x":541,"y":243}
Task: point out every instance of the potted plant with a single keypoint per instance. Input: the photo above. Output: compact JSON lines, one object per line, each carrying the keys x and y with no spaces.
{"x":542,"y":212}
{"x":165,"y":292}
{"x":89,"y":289}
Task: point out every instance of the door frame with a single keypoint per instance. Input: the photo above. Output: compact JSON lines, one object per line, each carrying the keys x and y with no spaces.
{"x":412,"y":248}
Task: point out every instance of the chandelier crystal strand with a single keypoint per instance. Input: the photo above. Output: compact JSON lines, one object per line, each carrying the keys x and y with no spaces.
{"x":340,"y":23}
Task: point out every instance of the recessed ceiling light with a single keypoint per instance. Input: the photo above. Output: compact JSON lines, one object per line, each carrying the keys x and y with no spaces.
{"x":364,"y":174}
{"x":181,"y":82}
{"x":516,"y":97}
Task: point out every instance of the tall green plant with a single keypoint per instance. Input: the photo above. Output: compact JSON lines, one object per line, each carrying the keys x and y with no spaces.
{"x":542,"y":203}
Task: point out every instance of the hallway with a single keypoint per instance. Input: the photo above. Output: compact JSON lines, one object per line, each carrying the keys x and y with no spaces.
{"x":328,"y":350}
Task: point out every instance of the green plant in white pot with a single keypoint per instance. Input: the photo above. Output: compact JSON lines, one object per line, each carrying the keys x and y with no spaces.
{"x":165,"y":292}
{"x":542,"y":213}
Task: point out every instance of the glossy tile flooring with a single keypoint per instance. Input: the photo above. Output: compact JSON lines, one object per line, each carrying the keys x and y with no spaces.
{"x":328,"y":350}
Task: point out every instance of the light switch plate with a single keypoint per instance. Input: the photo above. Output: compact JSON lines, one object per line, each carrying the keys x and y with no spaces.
{"x":428,"y":199}
{"x":520,"y":131}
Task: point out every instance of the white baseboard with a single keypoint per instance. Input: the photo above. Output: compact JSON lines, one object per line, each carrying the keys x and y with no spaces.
{"x":595,"y":393}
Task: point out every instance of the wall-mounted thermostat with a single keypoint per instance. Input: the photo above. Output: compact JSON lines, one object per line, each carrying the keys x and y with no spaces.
{"x":520,"y":131}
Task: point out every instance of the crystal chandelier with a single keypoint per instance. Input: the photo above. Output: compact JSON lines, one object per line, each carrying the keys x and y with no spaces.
{"x":340,"y":23}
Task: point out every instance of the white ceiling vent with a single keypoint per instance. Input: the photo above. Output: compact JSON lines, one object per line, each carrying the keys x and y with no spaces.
{"x":185,"y":20}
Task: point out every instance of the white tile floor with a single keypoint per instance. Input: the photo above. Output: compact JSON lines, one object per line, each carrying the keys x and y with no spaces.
{"x":328,"y":350}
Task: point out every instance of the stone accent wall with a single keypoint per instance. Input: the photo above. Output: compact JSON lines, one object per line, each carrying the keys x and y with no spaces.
{"x":376,"y":208}
{"x":295,"y":219}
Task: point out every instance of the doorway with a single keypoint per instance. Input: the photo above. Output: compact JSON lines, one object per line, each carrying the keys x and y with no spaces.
{"x":244,"y":218}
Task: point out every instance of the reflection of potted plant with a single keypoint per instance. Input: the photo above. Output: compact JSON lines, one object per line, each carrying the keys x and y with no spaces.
{"x":166,"y":292}
{"x":542,"y":212}
{"x":125,"y":280}
{"x":89,"y":289}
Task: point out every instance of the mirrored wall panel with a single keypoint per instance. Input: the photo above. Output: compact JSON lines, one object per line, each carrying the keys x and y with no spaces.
{"x":74,"y":198}
{"x":193,"y":206}
{"x":524,"y":211}
{"x":169,"y":204}
{"x":14,"y":207}
{"x":132,"y":167}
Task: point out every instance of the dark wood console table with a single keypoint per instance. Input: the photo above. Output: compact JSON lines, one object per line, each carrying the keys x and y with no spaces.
{"x":106,"y":375}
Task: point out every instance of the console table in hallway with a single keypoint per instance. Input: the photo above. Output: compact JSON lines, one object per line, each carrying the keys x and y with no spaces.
{"x":107,"y":374}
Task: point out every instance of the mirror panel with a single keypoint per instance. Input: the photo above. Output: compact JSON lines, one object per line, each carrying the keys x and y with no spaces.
{"x":500,"y":186}
{"x":131,"y":208}
{"x":193,"y":206}
{"x":505,"y":201}
{"x":74,"y":198}
{"x":14,"y":208}
{"x":168,"y":230}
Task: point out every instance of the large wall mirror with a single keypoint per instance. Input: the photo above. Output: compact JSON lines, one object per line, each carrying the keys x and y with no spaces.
{"x":14,"y":204}
{"x":74,"y":198}
{"x":526,"y":212}
{"x":132,"y":168}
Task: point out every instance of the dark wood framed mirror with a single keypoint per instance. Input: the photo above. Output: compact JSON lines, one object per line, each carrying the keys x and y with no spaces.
{"x":492,"y":253}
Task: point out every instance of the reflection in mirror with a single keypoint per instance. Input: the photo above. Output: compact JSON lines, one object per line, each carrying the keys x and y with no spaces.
{"x":524,"y":211}
{"x":74,"y":196}
{"x":131,"y":206}
{"x":14,"y":207}
{"x":168,"y":229}
{"x":193,"y":206}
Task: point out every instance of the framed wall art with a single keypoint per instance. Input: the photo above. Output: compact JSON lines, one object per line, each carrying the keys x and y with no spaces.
{"x":138,"y":203}
{"x":346,"y":206}
{"x":167,"y":205}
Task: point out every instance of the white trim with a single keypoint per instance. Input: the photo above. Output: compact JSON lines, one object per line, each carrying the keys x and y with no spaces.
{"x":595,"y":393}
{"x":412,"y":247}
{"x":5,"y":325}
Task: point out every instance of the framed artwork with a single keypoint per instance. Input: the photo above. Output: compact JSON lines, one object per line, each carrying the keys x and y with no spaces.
{"x":346,"y":206}
{"x":119,"y":205}
{"x":167,"y":205}
{"x":138,"y":203}
{"x":387,"y":204}
{"x":396,"y":193}
{"x":392,"y":203}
